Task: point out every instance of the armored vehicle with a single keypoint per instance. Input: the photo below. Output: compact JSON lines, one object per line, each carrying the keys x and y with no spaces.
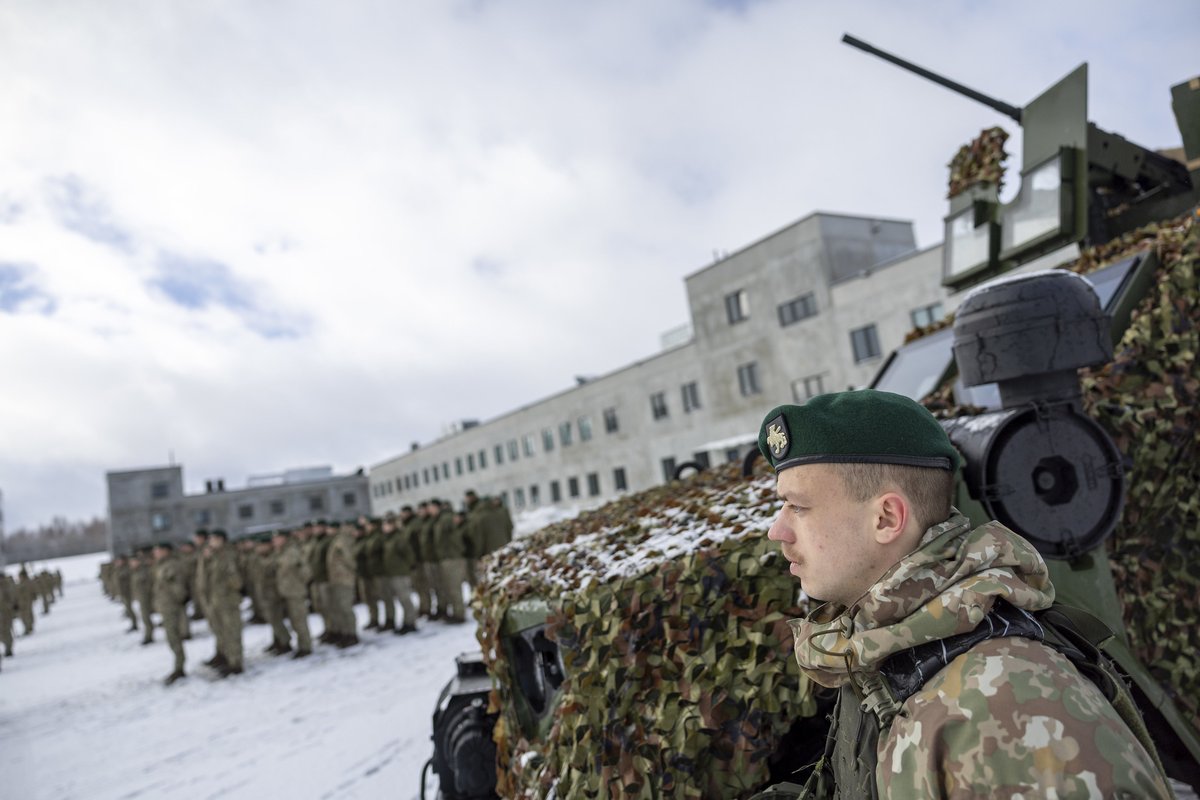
{"x":641,"y":649}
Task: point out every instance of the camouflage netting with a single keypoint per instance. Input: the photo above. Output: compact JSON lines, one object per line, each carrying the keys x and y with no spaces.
{"x":1149,"y":401}
{"x":669,"y":608}
{"x":981,"y":161}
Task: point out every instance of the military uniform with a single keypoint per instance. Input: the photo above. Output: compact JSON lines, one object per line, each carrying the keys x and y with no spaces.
{"x":170,"y":598}
{"x":272,"y":602}
{"x":8,"y":604}
{"x":450,"y":548}
{"x":1009,"y":716}
{"x":342,"y":570}
{"x":25,"y":598}
{"x":292,"y":576}
{"x":224,"y":607}
{"x":398,"y":563}
{"x":414,"y":528}
{"x":374,"y":578}
{"x":142,"y":581}
{"x":124,"y":580}
{"x":319,"y":564}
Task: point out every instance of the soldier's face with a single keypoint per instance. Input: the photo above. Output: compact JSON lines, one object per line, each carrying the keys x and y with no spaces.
{"x":825,"y":534}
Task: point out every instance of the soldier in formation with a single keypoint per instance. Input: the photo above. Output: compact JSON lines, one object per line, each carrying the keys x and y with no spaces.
{"x":18,"y":601}
{"x":318,"y":568}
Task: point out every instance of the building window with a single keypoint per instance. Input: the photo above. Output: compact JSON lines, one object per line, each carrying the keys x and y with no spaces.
{"x":160,"y":521}
{"x":737,"y":306}
{"x":927,"y":315}
{"x":793,"y":311}
{"x":732,"y":455}
{"x":202,"y":517}
{"x":691,"y":397}
{"x":512,"y":450}
{"x":610,"y":420}
{"x":564,"y":433}
{"x":619,"y":479}
{"x":805,"y":389}
{"x":547,"y":439}
{"x":458,"y":466}
{"x":593,"y":480}
{"x":245,"y":511}
{"x":277,"y":508}
{"x":865,"y":342}
{"x":470,"y":462}
{"x":668,"y":468}
{"x":504,"y":498}
{"x":160,"y":490}
{"x":534,"y":495}
{"x":350,"y":499}
{"x":573,"y":487}
{"x":499,"y":453}
{"x":483,"y":459}
{"x":658,"y":405}
{"x":527,"y":443}
{"x":316,"y":502}
{"x":426,"y":472}
{"x":519,"y":497}
{"x":555,"y":491}
{"x":748,"y":379}
{"x":585,"y":429}
{"x":446,"y":470}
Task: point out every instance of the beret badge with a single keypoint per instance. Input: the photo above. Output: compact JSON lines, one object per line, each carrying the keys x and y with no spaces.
{"x":777,"y":436}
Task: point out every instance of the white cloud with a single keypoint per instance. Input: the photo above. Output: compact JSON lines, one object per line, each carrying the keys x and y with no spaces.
{"x":453,"y":207}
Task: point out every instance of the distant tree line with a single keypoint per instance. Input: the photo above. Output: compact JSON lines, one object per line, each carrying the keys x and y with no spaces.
{"x":61,"y":537}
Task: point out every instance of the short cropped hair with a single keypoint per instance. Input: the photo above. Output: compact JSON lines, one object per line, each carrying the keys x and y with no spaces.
{"x":931,"y":491}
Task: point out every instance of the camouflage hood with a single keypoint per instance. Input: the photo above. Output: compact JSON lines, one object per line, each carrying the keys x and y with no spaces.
{"x":943,"y":588}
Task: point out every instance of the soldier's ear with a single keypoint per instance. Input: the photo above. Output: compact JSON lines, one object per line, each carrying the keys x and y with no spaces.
{"x":892,"y":513}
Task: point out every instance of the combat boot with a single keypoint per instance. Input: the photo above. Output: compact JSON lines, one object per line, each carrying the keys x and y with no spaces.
{"x":387,"y":626}
{"x":406,"y":629}
{"x":370,"y":626}
{"x":301,"y":654}
{"x":174,"y":676}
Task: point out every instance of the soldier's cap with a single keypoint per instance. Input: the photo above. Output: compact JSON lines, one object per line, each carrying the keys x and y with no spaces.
{"x":407,"y":508}
{"x":284,"y":532}
{"x":857,"y":427}
{"x":470,"y":493}
{"x":165,"y":545}
{"x":220,"y":534}
{"x":201,"y":532}
{"x":322,"y":522}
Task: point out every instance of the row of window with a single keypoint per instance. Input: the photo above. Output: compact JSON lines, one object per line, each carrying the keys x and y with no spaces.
{"x":737,"y":308}
{"x":512,"y":450}
{"x":161,"y":521}
{"x":521,"y":499}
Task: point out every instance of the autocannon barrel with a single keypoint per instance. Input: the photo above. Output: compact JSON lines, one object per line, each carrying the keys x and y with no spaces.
{"x":999,"y":105}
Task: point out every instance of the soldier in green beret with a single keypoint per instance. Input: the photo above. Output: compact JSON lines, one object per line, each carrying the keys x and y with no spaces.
{"x":866,"y":480}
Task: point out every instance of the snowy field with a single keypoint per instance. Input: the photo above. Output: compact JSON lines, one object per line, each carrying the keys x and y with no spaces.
{"x":84,"y":714}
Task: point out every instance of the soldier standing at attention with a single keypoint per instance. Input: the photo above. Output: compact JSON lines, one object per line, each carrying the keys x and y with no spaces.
{"x":8,"y":604}
{"x":170,"y":597}
{"x":272,"y":603}
{"x":199,"y":587}
{"x":143,"y":590}
{"x":292,"y":576}
{"x":340,"y":566}
{"x":25,"y":598}
{"x":410,"y":526}
{"x":187,"y":565}
{"x":321,"y":588}
{"x":123,"y":578}
{"x":865,"y":480}
{"x":398,"y":562}
{"x":451,"y":564}
{"x":375,"y":577}
{"x":225,"y":600}
{"x":433,"y":572}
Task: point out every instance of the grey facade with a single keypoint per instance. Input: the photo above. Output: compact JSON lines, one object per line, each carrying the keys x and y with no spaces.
{"x":149,"y":505}
{"x":809,"y":309}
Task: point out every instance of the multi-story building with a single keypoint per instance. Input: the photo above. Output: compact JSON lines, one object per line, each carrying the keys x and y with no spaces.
{"x":146,"y":506}
{"x":809,"y":309}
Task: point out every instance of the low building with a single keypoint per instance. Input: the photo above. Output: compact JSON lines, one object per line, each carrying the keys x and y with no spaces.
{"x":809,"y":309}
{"x":149,"y":505}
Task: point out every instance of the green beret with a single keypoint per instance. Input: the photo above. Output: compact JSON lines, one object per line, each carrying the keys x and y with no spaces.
{"x":862,"y":427}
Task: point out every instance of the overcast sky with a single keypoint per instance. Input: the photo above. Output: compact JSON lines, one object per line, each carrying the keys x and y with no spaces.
{"x":258,"y":235}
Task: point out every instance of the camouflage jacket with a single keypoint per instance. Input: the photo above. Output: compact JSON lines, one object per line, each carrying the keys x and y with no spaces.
{"x":170,"y":584}
{"x":1010,"y":716}
{"x":292,"y":574}
{"x":340,"y":562}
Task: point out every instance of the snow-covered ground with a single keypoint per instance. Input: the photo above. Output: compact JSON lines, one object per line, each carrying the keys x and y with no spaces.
{"x":84,"y":714}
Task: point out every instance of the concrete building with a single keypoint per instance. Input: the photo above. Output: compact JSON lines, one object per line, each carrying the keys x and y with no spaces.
{"x":811,"y":308}
{"x":149,"y":505}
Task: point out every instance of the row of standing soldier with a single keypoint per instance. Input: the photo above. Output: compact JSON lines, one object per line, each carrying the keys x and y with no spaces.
{"x":418,"y":559}
{"x":18,"y":597}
